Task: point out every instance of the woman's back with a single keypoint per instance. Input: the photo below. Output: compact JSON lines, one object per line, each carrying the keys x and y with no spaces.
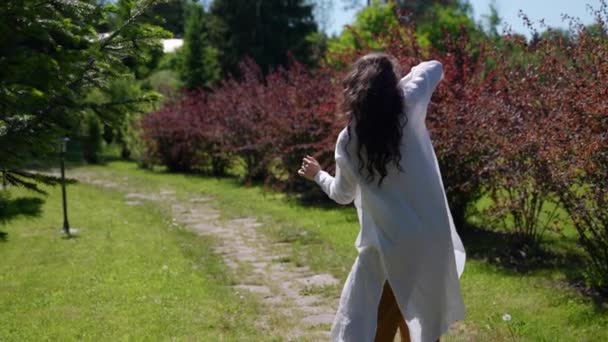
{"x":415,"y":189}
{"x":407,"y":239}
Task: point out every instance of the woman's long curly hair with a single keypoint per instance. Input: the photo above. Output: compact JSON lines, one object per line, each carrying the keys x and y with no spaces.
{"x":375,"y":108}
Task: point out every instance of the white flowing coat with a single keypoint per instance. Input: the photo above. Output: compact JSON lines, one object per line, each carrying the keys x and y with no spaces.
{"x":407,"y":235}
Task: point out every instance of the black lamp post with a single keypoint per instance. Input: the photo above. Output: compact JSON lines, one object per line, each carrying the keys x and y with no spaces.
{"x":66,"y":225}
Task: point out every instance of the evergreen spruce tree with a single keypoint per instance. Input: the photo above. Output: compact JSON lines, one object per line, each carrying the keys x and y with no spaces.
{"x":52,"y":56}
{"x":263,"y":30}
{"x":200,"y":64}
{"x":170,"y":15}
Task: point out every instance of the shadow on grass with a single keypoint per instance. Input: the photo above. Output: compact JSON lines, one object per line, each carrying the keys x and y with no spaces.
{"x":12,"y":208}
{"x":501,"y":249}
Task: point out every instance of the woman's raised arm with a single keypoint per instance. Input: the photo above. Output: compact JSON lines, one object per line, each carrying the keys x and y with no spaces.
{"x":420,"y":83}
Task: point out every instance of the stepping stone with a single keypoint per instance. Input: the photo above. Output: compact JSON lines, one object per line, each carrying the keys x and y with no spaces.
{"x":178,"y":207}
{"x":276,"y":257}
{"x":323,"y":279}
{"x":274,"y":300}
{"x":247,"y":222}
{"x":306,"y":300}
{"x":135,"y":195}
{"x":296,"y":335}
{"x":246,"y":256}
{"x":259,"y":271}
{"x":261,"y":289}
{"x":314,"y":310}
{"x":203,"y":211}
{"x":233,"y":265}
{"x":319,"y":319}
{"x":302,"y":272}
{"x":260,"y":264}
{"x":222,"y":250}
{"x":193,"y":219}
{"x":289,"y":291}
{"x":276,"y":268}
{"x":207,"y":228}
{"x":132,"y":202}
{"x":200,"y":199}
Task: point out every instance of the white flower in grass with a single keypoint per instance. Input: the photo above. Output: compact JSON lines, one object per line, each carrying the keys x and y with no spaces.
{"x":506,"y":317}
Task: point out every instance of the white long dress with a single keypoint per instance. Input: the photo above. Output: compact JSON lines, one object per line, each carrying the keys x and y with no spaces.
{"x":407,"y":234}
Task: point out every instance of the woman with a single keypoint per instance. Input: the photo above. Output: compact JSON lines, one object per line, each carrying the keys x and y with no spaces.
{"x":410,"y":256}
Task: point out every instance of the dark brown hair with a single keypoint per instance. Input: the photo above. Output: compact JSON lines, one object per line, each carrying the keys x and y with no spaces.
{"x":375,"y":108}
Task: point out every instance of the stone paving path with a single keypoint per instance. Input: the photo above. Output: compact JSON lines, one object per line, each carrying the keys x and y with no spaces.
{"x":292,"y":297}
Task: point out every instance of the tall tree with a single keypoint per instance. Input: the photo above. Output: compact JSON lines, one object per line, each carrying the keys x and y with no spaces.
{"x":51,"y":57}
{"x":441,"y":20}
{"x":200,"y":66}
{"x":418,"y":8}
{"x":369,"y":22}
{"x":170,"y":15}
{"x":493,"y":20}
{"x":263,"y":30}
{"x":431,"y":27}
{"x":415,"y":8}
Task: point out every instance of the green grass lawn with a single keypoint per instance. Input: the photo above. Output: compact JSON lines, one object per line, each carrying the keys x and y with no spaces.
{"x":110,"y":282}
{"x":129,"y":275}
{"x":542,"y":306}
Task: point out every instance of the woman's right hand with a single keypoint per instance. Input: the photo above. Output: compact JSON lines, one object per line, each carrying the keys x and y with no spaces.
{"x":310,"y":167}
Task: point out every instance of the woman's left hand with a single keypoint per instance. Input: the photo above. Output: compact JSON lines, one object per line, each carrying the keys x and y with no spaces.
{"x":310,"y":167}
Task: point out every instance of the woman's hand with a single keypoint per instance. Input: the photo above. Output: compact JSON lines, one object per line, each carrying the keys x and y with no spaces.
{"x":310,"y":167}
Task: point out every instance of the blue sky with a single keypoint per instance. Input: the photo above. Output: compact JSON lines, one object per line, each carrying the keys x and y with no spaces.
{"x":550,"y":10}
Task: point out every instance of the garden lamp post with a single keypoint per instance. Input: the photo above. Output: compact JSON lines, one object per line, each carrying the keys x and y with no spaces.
{"x":66,"y":225}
